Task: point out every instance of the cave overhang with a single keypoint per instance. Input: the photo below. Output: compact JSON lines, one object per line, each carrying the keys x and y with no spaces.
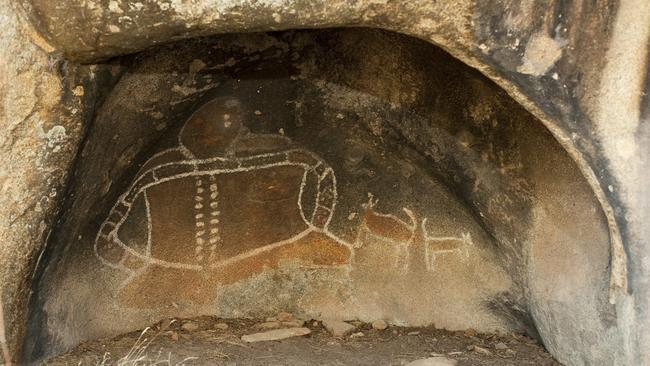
{"x":589,"y":97}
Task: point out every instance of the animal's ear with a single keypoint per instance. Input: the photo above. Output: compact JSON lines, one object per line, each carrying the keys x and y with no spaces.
{"x":412,"y":217}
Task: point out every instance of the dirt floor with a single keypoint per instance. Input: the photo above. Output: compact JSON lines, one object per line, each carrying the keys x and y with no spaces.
{"x":212,"y":341}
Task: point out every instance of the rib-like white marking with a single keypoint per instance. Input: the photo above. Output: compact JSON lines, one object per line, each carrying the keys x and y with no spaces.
{"x":198,"y":219}
{"x":214,"y":238}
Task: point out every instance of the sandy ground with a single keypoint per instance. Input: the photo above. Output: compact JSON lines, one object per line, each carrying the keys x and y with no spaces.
{"x":207,"y":341}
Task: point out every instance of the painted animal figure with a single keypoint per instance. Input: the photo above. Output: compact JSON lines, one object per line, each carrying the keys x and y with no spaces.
{"x":384,"y":241}
{"x":435,"y":247}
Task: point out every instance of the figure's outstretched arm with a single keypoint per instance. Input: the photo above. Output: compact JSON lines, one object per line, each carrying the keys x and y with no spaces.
{"x":124,"y":239}
{"x":108,"y":247}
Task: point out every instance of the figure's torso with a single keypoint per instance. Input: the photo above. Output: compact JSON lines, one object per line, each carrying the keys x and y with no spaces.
{"x":206,"y":218}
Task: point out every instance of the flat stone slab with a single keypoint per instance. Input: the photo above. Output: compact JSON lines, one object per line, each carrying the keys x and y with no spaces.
{"x":275,"y":335}
{"x":433,"y":361}
{"x":338,"y":328}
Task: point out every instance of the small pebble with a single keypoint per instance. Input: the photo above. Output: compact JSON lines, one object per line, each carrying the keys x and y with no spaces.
{"x":379,"y":324}
{"x":173,"y":335}
{"x":165,"y":324}
{"x":294,"y":323}
{"x":190,"y":326}
{"x":413,"y":333}
{"x":357,"y":335}
{"x":470,"y":332}
{"x":481,"y":350}
{"x":221,"y":326}
{"x":269,"y":325}
{"x":285,"y":317}
{"x":501,"y":346}
{"x":338,"y":328}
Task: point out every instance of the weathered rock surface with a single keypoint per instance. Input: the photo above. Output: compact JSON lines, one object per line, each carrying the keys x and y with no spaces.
{"x":43,"y":122}
{"x":579,"y":67}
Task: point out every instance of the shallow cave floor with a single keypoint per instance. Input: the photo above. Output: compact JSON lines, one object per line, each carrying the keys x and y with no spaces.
{"x":203,"y":341}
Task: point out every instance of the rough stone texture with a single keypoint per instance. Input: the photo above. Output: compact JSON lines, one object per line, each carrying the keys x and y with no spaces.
{"x":550,"y":57}
{"x":45,"y":102}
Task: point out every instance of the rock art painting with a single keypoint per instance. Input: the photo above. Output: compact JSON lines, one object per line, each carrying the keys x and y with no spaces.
{"x":227,"y":204}
{"x":384,"y":241}
{"x":388,"y":243}
{"x":222,"y":206}
{"x":439,"y":246}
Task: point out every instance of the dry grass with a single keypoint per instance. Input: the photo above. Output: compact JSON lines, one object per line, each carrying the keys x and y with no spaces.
{"x":139,"y":355}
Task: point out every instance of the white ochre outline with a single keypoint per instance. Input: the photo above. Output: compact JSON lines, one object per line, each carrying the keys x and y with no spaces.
{"x":212,"y":167}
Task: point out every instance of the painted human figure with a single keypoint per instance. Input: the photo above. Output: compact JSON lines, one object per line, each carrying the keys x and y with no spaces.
{"x":222,"y":206}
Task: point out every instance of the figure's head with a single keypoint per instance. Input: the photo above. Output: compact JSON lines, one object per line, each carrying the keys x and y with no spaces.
{"x":212,"y":128}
